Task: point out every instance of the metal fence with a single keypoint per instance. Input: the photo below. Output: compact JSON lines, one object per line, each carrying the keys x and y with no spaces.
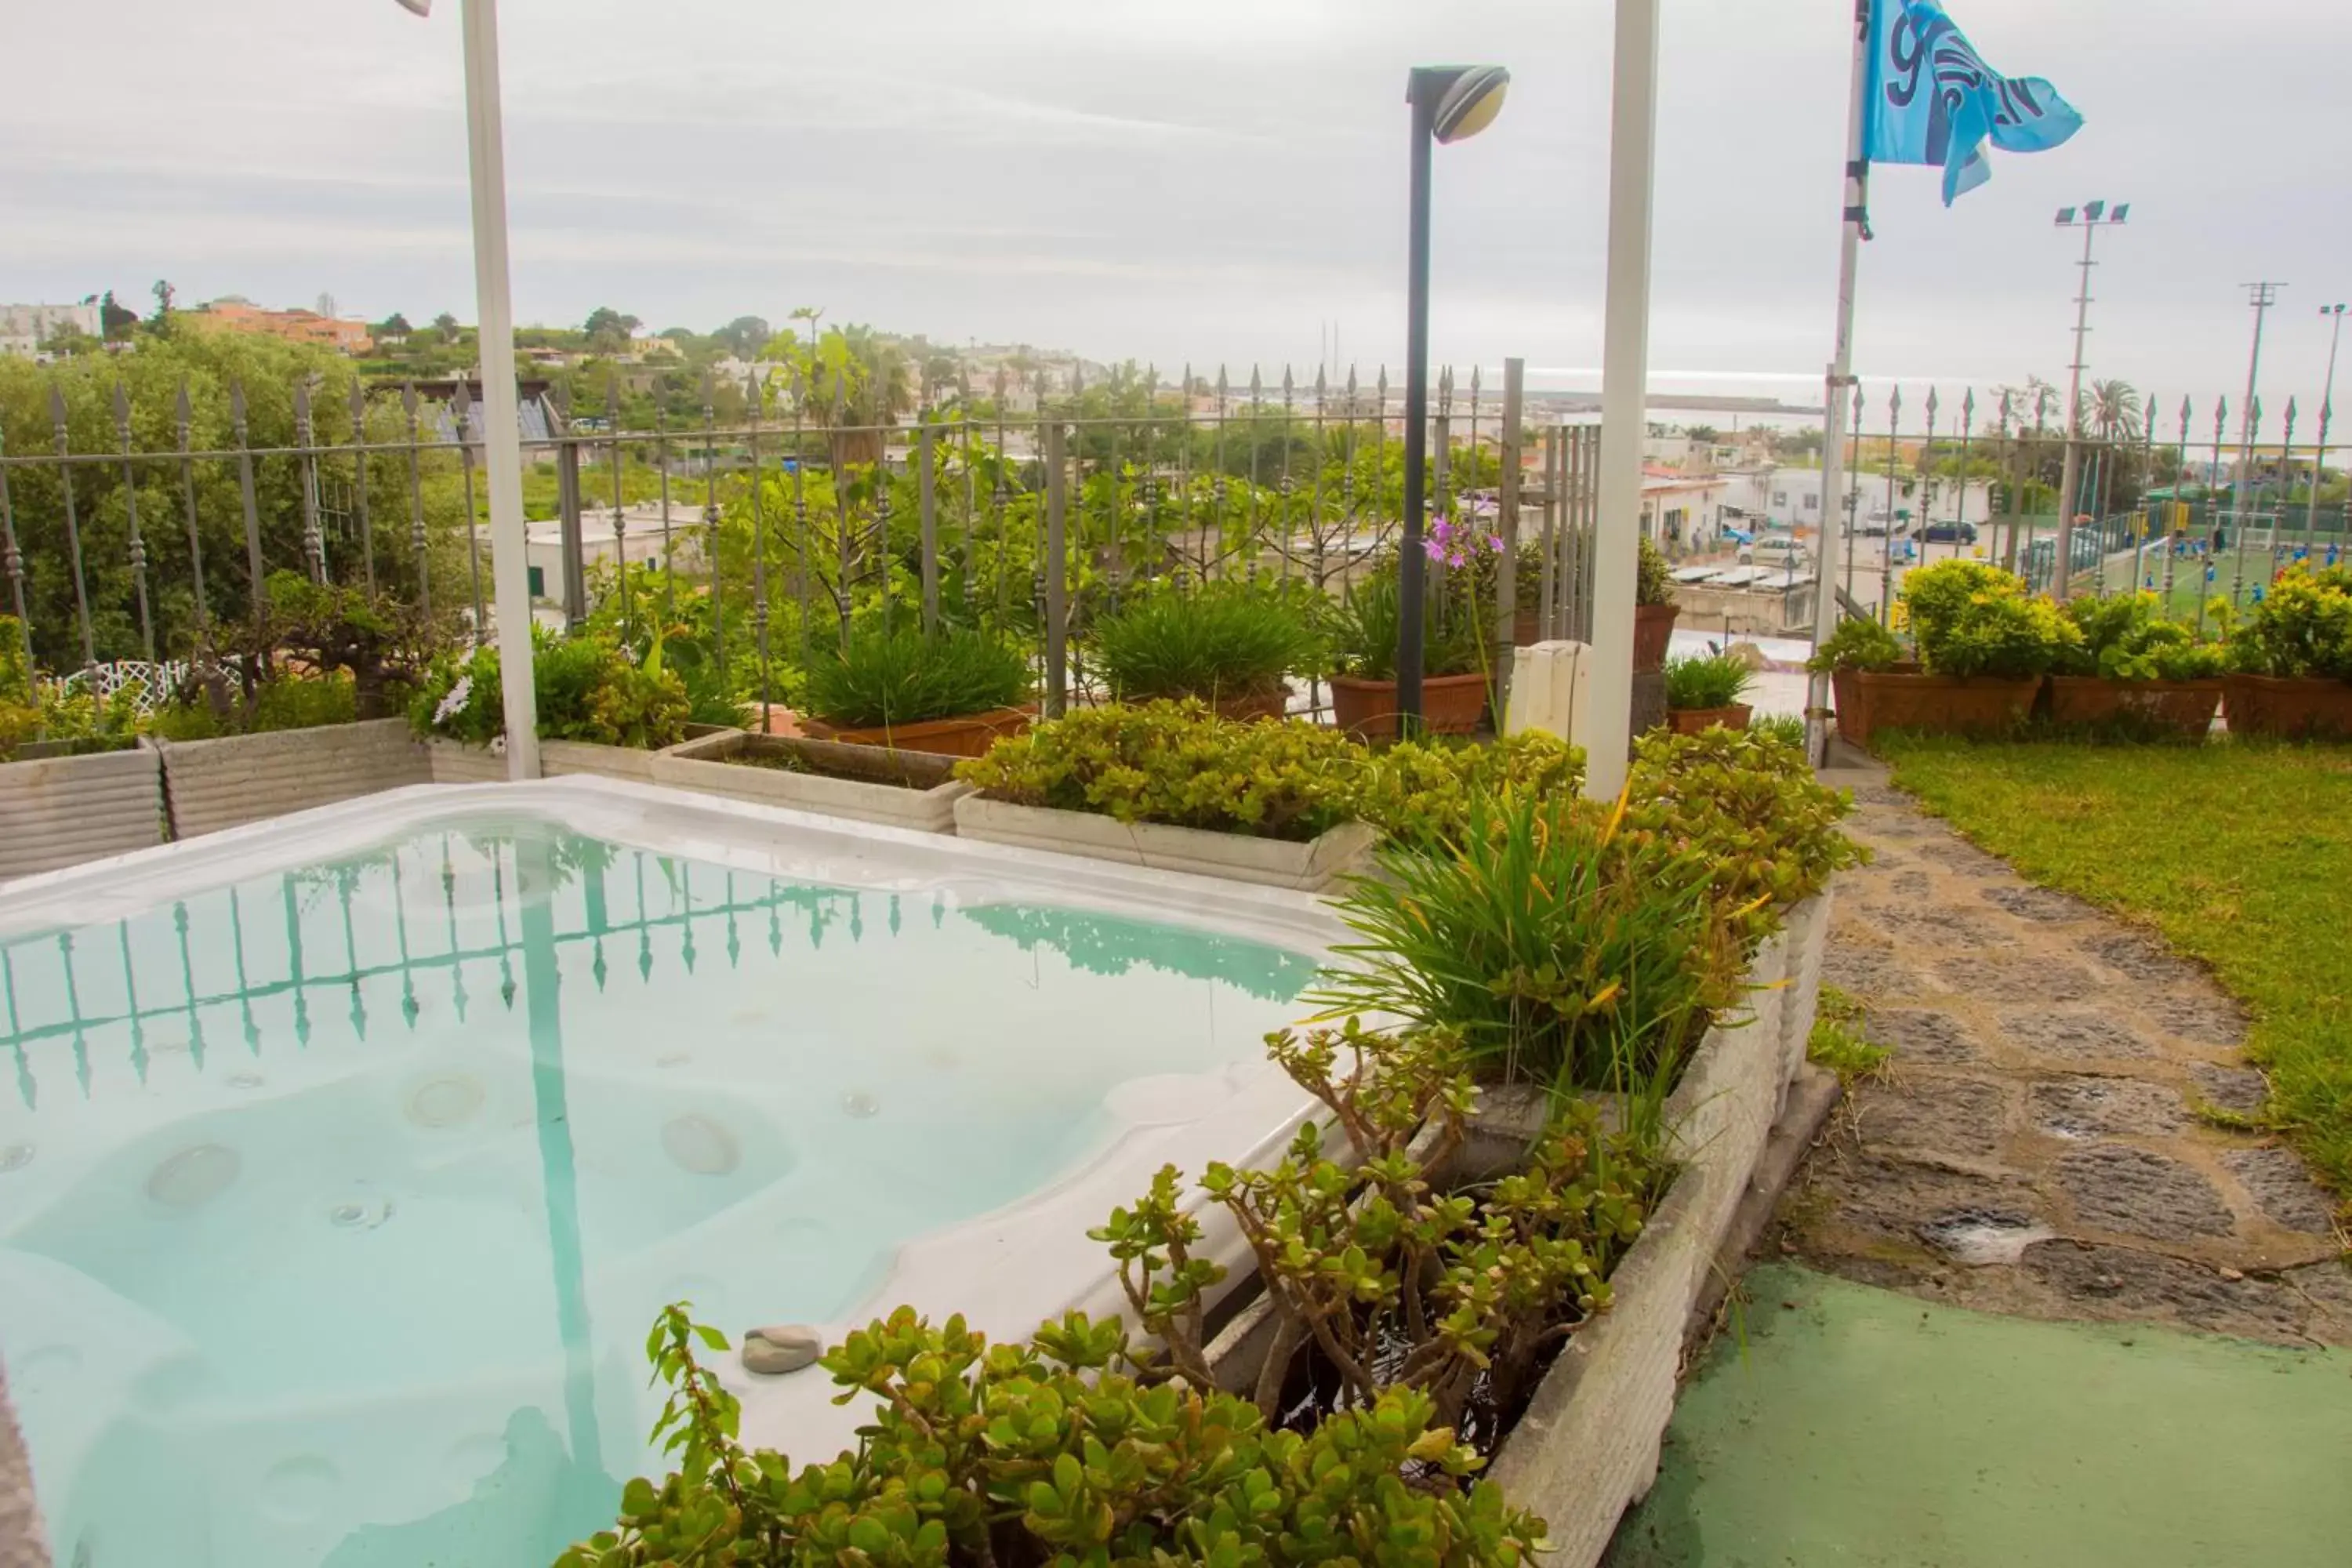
{"x":1930,"y":477}
{"x":1030,"y":510}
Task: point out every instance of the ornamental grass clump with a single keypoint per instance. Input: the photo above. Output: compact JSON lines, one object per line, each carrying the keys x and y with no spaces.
{"x":1858,"y":644}
{"x":1177,"y":763}
{"x":1560,"y":949}
{"x":1217,"y":641}
{"x":1066,"y":1448}
{"x":1707,"y":681}
{"x":1362,"y":628}
{"x":1384,"y":1276}
{"x":884,"y":674}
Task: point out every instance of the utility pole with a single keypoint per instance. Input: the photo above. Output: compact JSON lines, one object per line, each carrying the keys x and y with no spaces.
{"x":2327,"y":413}
{"x":2093,"y":215}
{"x":2262,"y":296}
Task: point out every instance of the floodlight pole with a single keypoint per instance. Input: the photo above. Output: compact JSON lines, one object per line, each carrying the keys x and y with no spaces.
{"x":2095,"y":215}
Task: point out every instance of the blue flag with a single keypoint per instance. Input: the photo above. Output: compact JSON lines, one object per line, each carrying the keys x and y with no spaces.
{"x":1934,"y":101}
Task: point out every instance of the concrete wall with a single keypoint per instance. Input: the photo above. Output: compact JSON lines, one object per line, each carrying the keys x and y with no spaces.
{"x":61,"y":811}
{"x":226,"y":782}
{"x":1587,"y":1449}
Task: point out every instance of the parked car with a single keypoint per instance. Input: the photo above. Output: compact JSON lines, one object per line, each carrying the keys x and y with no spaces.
{"x":1948,"y":534}
{"x":1776,"y":551}
{"x":1878,"y":524}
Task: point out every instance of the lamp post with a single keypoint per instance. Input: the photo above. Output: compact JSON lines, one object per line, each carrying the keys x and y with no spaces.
{"x":2334,"y":313}
{"x":2090,"y":218}
{"x":1449,"y":104}
{"x":501,"y":430}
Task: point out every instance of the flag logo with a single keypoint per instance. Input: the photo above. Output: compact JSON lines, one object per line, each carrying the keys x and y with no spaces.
{"x":1935,"y":102}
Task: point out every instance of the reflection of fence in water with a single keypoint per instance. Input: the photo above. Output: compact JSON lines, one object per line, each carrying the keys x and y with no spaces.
{"x":142,"y":974}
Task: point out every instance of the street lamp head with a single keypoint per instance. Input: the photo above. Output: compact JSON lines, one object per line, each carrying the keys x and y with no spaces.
{"x":421,"y":7}
{"x":1463,"y":100}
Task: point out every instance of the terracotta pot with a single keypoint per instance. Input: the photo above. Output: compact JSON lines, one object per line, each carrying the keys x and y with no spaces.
{"x":1526,"y":629}
{"x":1449,"y":705}
{"x":2305,"y":710}
{"x":1940,"y":704}
{"x":1691,"y":721}
{"x":1653,"y":631}
{"x":970,"y":735}
{"x":2175,"y":707}
{"x":1273,"y":704}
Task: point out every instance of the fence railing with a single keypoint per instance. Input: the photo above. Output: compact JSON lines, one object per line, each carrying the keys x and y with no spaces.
{"x":2162,"y":488}
{"x":777,"y":529}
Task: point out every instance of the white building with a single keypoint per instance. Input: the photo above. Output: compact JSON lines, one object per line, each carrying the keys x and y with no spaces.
{"x":24,"y":328}
{"x":1770,"y":498}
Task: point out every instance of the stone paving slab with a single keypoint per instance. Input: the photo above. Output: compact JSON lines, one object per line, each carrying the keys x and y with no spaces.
{"x":2035,"y":1147}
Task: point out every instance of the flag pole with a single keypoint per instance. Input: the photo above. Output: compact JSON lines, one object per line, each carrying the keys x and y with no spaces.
{"x":1853,"y":228}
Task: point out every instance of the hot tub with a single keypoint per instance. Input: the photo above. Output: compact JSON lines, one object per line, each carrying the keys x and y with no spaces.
{"x":346,"y":1159}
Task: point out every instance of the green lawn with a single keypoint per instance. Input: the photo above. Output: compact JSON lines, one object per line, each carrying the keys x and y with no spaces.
{"x":2241,"y":855}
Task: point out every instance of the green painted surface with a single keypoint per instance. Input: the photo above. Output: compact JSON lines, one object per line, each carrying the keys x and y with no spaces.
{"x":1863,"y":1430}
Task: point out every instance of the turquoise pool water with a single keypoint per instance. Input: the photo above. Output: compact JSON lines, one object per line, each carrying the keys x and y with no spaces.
{"x":334,"y":1206}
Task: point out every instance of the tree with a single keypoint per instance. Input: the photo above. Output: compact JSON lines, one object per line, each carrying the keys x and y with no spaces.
{"x":1705,"y":435}
{"x":446,"y":324}
{"x":853,"y":383}
{"x":114,"y":321}
{"x":2111,"y":411}
{"x":745,"y":335}
{"x":68,"y":340}
{"x":608,"y":329}
{"x":164,"y":294}
{"x":393,"y":326}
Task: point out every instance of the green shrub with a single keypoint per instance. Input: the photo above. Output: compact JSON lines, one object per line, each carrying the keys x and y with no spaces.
{"x":1710,"y":680}
{"x":1390,"y":1280}
{"x":1363,"y":624}
{"x":2124,"y":638}
{"x":1062,"y":1450}
{"x":906,"y":676}
{"x":1972,"y":619}
{"x":1780,"y":729}
{"x":1653,"y":583}
{"x":1177,"y":763}
{"x":2302,"y":629}
{"x":282,"y":701}
{"x":585,"y":688}
{"x":1857,"y":644}
{"x":1211,"y":641}
{"x":1419,"y":792}
{"x":1765,"y":827}
{"x":1561,"y":950}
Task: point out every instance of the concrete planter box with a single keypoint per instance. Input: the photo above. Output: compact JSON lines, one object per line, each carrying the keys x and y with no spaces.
{"x":1587,"y":1447}
{"x":237,"y":779}
{"x":1275,"y":863}
{"x":453,"y":762}
{"x":61,"y":811}
{"x":915,"y":790}
{"x":1805,"y":940}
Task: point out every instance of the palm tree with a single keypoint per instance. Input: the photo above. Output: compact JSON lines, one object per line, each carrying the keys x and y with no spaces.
{"x":2111,"y":411}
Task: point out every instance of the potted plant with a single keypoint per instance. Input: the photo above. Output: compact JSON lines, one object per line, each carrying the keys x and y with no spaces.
{"x":1860,"y":646}
{"x":1173,"y":785}
{"x":1985,"y":647}
{"x":953,"y":691}
{"x":1653,"y":608}
{"x":601,"y":710}
{"x":1363,"y":640}
{"x":2136,"y":670}
{"x":2292,"y":659}
{"x":1232,"y":644}
{"x":1706,"y":691}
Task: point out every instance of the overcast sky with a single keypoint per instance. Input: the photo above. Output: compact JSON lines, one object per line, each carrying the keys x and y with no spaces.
{"x":1178,"y":180}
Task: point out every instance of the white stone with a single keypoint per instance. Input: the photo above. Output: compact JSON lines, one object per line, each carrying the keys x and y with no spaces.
{"x":782,"y":1348}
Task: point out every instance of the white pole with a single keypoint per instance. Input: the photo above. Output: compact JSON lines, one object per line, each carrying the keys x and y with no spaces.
{"x":1841,"y":386}
{"x":1625,"y":388}
{"x":502,"y":434}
